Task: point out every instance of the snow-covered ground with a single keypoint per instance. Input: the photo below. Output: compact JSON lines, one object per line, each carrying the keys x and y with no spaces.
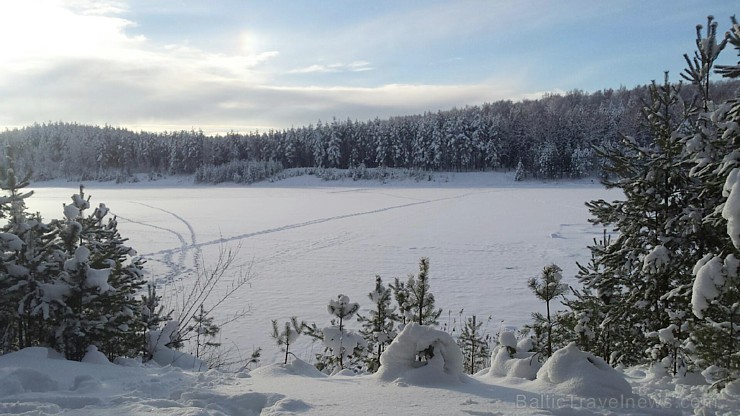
{"x":306,"y":241}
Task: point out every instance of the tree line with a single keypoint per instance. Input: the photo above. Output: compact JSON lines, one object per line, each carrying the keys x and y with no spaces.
{"x":551,"y":137}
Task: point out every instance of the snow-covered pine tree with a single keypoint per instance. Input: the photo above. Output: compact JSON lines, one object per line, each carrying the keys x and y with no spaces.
{"x":342,"y":348}
{"x":205,"y":332}
{"x":420,"y":297}
{"x":378,"y":328}
{"x":401,"y":296}
{"x":290,"y":332}
{"x":646,"y":275}
{"x":474,"y":344}
{"x":103,"y":278}
{"x":338,"y":339}
{"x":547,"y":288}
{"x":713,"y":148}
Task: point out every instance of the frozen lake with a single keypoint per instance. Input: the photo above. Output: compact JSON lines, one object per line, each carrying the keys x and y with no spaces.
{"x":308,"y":241}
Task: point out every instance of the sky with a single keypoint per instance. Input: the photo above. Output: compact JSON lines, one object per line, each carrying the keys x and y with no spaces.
{"x":244,"y":65}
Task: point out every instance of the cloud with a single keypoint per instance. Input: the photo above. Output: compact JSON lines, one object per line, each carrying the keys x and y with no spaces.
{"x":77,"y":62}
{"x":357,"y":66}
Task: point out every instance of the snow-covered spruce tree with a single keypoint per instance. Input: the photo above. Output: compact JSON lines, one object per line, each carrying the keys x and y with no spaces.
{"x":28,"y":303}
{"x":103,"y":278}
{"x":520,"y":172}
{"x":378,"y":328}
{"x":474,"y":344}
{"x":548,"y":288}
{"x":420,"y":298}
{"x":645,"y":280}
{"x":291,"y":330}
{"x":715,"y":297}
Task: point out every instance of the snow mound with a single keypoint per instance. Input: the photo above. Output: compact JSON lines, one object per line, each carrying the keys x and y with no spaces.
{"x":25,"y":380}
{"x":732,"y":390}
{"x":246,"y":404}
{"x":444,"y":360}
{"x":512,"y":359}
{"x":167,"y":356}
{"x":296,"y":367}
{"x":93,"y":356}
{"x":285,"y":407}
{"x":579,"y":373}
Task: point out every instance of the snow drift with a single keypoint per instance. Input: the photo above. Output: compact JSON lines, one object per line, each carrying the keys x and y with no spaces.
{"x":296,"y":367}
{"x":443,"y":362}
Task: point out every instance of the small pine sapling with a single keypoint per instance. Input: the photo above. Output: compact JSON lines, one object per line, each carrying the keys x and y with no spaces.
{"x":547,"y":288}
{"x":378,"y":328}
{"x":421,"y":299}
{"x":342,"y":309}
{"x":205,"y":331}
{"x":254,"y":358}
{"x":288,"y":335}
{"x":401,"y":296}
{"x":474,"y":344}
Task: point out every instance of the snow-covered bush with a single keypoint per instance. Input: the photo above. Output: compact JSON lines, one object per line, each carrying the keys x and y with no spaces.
{"x":158,"y":342}
{"x":513,"y":359}
{"x":238,"y":171}
{"x":572,"y":371}
{"x":422,"y":355}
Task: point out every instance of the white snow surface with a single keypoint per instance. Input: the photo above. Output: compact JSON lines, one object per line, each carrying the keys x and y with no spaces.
{"x":37,"y":381}
{"x":307,"y":240}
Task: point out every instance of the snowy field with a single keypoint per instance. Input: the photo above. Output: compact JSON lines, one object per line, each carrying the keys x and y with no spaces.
{"x":307,"y":241}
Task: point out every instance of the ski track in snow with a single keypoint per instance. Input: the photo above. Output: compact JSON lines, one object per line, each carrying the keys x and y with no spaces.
{"x":193,"y":238}
{"x":175,"y":267}
{"x":179,"y":267}
{"x":199,"y":246}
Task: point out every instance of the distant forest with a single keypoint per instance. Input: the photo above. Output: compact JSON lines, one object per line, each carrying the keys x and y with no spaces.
{"x":551,"y":137}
